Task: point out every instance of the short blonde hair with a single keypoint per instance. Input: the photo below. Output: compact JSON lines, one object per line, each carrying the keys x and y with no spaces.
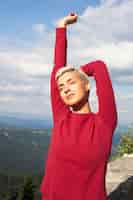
{"x":69,"y":68}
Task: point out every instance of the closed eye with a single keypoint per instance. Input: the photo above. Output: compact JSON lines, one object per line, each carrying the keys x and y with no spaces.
{"x":62,"y":85}
{"x":72,"y":82}
{"x":60,"y":89}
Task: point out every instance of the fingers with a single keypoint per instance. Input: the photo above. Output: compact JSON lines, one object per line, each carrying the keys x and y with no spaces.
{"x":69,"y":19}
{"x":72,"y":14}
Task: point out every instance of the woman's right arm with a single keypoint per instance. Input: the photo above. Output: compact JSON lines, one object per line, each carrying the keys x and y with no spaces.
{"x":59,"y":108}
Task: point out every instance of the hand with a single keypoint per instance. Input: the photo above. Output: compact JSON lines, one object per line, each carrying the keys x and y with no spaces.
{"x":69,"y":19}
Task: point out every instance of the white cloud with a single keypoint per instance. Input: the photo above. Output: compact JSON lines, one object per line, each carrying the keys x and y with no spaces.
{"x":125,"y":79}
{"x":16,"y":88}
{"x":116,"y":55}
{"x":110,"y":2}
{"x":128,"y":96}
{"x":39,"y":28}
{"x":28,"y":61}
{"x":103,"y":32}
{"x":8,"y":99}
{"x":124,"y":111}
{"x":124,"y":99}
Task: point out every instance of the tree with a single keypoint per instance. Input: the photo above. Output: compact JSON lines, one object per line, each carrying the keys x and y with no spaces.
{"x":10,"y":196}
{"x":126,"y":144}
{"x":7,"y":196}
{"x":28,"y":189}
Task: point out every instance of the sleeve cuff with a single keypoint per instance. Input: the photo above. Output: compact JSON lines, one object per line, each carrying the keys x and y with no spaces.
{"x":61,"y":30}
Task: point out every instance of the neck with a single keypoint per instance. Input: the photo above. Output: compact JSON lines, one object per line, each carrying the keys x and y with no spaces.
{"x":84,"y":108}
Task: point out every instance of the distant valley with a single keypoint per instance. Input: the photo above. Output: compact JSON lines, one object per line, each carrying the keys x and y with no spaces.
{"x":24,"y":150}
{"x":23,"y":121}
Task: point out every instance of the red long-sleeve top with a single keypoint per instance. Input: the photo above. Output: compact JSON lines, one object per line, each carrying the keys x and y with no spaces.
{"x":80,"y":142}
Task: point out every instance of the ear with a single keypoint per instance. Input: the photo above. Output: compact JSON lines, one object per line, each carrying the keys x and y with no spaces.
{"x":88,"y":87}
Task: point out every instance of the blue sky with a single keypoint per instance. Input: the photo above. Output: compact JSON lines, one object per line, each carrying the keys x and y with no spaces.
{"x":19,"y":15}
{"x":27,"y":34}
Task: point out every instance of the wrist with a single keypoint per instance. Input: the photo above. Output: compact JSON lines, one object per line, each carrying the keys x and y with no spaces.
{"x":61,"y":24}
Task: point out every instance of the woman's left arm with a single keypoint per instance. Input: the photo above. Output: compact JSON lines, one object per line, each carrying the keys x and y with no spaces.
{"x":106,"y":99}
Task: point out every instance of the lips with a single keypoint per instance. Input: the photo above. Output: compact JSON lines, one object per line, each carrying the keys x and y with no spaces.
{"x":70,"y":96}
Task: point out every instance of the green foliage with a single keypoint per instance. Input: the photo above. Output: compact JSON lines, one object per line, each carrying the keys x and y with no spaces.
{"x":28,"y":190}
{"x":7,"y":196}
{"x":12,"y":186}
{"x":126,"y":144}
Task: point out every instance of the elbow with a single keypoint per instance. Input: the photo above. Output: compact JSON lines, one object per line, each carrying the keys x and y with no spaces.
{"x":101,"y":62}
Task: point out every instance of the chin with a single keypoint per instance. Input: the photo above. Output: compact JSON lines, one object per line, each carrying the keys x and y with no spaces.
{"x":73,"y":102}
{"x":77,"y":102}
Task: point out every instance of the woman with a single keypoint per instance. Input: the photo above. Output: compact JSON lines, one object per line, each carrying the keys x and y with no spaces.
{"x":81,"y":140}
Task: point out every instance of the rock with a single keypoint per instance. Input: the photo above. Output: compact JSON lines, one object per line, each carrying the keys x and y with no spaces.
{"x":119,"y":178}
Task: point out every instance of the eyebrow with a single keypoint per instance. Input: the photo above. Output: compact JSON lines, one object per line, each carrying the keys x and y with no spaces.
{"x":60,"y":85}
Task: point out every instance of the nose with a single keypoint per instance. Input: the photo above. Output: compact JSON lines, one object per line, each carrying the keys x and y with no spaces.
{"x":66,"y":89}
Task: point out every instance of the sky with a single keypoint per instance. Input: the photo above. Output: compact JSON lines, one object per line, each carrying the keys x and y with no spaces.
{"x":104,"y":31}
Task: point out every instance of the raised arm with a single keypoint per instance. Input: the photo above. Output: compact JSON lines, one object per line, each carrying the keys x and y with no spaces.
{"x":59,"y":108}
{"x":106,"y":99}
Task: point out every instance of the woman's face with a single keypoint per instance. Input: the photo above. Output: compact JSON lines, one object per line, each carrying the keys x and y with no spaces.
{"x":72,"y":88}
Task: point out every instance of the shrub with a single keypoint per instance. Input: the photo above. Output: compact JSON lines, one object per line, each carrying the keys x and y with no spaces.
{"x":125,"y":145}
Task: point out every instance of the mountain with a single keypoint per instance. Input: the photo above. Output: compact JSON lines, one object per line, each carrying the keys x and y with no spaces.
{"x":25,"y":149}
{"x":121,"y":129}
{"x":24,"y":121}
{"x":29,"y":121}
